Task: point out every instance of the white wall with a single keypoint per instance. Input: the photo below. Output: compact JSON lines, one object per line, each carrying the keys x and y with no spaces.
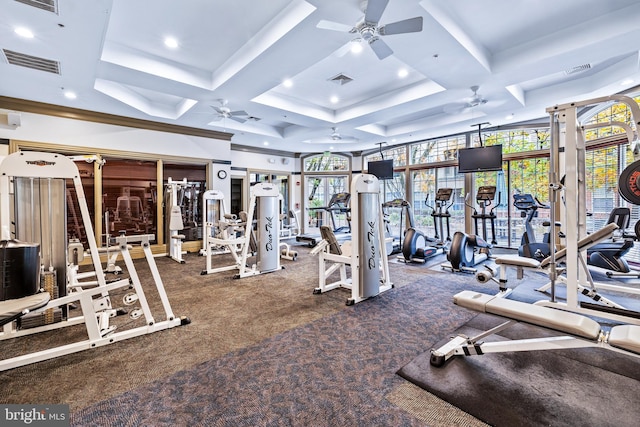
{"x":56,"y":130}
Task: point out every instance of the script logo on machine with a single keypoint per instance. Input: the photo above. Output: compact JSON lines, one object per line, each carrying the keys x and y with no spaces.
{"x":268,"y":227}
{"x":371,"y":239}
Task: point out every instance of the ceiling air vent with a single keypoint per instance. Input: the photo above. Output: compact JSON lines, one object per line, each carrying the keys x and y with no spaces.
{"x":578,"y":69}
{"x":48,"y":5}
{"x":28,"y":61}
{"x":341,"y":79}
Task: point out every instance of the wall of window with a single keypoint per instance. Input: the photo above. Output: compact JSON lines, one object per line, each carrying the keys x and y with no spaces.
{"x":323,"y":177}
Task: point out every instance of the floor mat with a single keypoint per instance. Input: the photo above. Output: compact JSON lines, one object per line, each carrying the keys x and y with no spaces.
{"x":560,"y":387}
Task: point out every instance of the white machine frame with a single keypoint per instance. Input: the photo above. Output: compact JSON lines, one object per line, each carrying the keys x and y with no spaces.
{"x":568,"y":140}
{"x":175,"y":221}
{"x":567,"y":144}
{"x":268,"y":255}
{"x":93,"y":297}
{"x":374,"y":257}
{"x":568,"y":153}
{"x":582,"y":331}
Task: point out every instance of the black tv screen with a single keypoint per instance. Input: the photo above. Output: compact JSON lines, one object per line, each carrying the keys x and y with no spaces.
{"x":480,"y":159}
{"x":382,"y":169}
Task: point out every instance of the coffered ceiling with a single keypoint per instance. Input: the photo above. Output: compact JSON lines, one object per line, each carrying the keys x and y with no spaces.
{"x":281,"y":73}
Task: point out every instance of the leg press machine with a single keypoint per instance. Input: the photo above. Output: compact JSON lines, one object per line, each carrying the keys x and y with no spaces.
{"x":92,"y":297}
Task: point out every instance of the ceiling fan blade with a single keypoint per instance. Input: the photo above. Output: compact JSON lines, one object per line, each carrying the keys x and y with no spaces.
{"x":411,"y":25}
{"x":334,"y":26}
{"x":380,"y":48}
{"x":217,"y":110}
{"x":238,"y":119}
{"x":375,"y":9}
{"x":238,"y":113}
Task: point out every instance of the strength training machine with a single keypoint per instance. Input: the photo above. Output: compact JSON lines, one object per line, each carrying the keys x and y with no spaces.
{"x":34,"y":184}
{"x":239,"y":238}
{"x":365,"y":253}
{"x":574,"y":317}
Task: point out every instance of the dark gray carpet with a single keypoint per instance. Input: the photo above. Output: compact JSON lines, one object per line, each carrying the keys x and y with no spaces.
{"x":335,"y":371}
{"x":583,"y":387}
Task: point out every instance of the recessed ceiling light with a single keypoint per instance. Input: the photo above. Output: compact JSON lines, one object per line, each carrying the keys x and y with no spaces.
{"x":171,"y":42}
{"x":24,"y":32}
{"x":509,"y":116}
{"x":356,"y":47}
{"x":70,"y":94}
{"x":331,"y":148}
{"x":626,"y":82}
{"x":334,"y":99}
{"x":402,"y":72}
{"x":265,"y":143}
{"x":287,"y":83}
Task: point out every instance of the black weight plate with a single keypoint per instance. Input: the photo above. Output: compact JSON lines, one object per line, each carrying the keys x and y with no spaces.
{"x":629,"y":183}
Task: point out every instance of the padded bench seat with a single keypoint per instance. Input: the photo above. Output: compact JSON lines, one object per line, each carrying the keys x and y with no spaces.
{"x":626,"y":337}
{"x":546,"y":317}
{"x":11,"y":309}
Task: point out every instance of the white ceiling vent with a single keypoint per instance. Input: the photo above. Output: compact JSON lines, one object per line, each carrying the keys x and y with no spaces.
{"x":578,"y":69}
{"x":341,"y":79}
{"x":34,"y":62}
{"x":48,"y":5}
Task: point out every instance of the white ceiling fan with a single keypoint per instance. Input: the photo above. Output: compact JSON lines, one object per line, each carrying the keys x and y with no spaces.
{"x":333,"y":137}
{"x":224,"y":112}
{"x":474,"y":101}
{"x":369,"y":30}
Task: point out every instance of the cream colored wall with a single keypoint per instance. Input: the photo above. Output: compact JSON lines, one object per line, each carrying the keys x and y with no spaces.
{"x":55,"y":130}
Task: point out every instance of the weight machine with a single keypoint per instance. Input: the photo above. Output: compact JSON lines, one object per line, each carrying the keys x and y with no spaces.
{"x":574,"y":317}
{"x":34,"y":185}
{"x":366,"y":252}
{"x":264,"y":241}
{"x":568,"y":266}
{"x":176,"y":225}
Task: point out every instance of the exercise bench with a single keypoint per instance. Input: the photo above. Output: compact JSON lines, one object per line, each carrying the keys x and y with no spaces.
{"x":582,"y":331}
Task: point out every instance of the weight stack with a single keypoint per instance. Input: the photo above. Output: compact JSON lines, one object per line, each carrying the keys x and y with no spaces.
{"x":49,"y":283}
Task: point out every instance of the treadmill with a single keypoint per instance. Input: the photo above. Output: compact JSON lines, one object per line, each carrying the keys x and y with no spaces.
{"x":339,"y":203}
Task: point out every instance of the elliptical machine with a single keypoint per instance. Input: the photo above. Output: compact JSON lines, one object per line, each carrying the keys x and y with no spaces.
{"x":529,"y":246}
{"x":468,"y":250}
{"x":416,"y":246}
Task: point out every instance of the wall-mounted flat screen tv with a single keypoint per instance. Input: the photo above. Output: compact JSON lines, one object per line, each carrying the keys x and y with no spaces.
{"x":382,"y":169}
{"x":480,"y":159}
